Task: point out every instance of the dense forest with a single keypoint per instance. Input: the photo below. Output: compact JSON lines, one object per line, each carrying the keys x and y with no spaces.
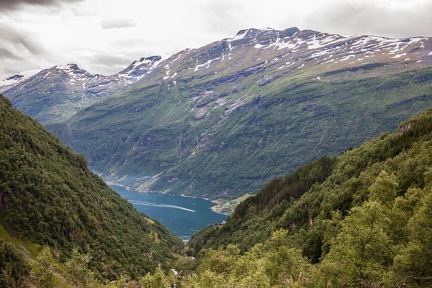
{"x":363,"y":219}
{"x":55,"y":211}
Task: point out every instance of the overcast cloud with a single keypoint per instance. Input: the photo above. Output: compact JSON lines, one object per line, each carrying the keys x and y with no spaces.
{"x":15,"y":4}
{"x":104,"y":36}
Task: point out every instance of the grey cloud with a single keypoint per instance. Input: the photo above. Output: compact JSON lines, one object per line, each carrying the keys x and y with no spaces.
{"x":19,"y":65}
{"x":6,"y":54}
{"x":110,"y":64}
{"x":14,"y":41}
{"x":18,"y":49}
{"x":110,"y":60}
{"x":358,"y":18}
{"x":222,"y":16}
{"x":15,"y":4}
{"x":118,"y":23}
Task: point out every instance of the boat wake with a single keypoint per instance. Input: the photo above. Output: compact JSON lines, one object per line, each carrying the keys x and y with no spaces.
{"x":145,"y":203}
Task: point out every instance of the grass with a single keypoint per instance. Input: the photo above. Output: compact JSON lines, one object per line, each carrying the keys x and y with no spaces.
{"x":5,"y":235}
{"x":27,"y":247}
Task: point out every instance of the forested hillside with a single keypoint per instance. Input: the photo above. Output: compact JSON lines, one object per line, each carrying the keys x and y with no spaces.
{"x":363,"y":219}
{"x":49,"y":198}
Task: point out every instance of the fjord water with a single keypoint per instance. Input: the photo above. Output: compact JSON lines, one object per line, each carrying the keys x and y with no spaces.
{"x":183,"y":216}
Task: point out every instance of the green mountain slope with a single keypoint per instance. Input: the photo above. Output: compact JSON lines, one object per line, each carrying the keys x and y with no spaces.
{"x":221,"y":120}
{"x":48,"y":196}
{"x":359,"y":220}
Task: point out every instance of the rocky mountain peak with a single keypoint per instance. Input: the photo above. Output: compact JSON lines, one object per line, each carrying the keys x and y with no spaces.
{"x":72,"y":70}
{"x":150,"y":59}
{"x":77,"y":87}
{"x":140,"y":68}
{"x":69,"y":66}
{"x":15,"y":79}
{"x":253,"y":33}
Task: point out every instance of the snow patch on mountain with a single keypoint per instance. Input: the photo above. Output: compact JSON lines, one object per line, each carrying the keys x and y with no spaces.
{"x":139,"y":69}
{"x":70,"y":67}
{"x":16,"y":79}
{"x":205,"y":65}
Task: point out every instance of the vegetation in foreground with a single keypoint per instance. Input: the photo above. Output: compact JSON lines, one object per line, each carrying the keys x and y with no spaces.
{"x":362,"y":219}
{"x":49,"y":198}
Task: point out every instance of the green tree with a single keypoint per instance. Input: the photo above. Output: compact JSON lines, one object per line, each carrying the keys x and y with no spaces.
{"x":270,"y":264}
{"x":361,"y":252}
{"x":13,"y":268}
{"x":283,"y":264}
{"x":206,"y":279}
{"x":221,"y":260}
{"x":156,"y":280}
{"x":414,"y":264}
{"x":44,"y":268}
{"x":77,"y":267}
{"x":384,"y":189}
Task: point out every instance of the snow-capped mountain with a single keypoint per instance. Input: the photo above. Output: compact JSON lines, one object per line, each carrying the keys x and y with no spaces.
{"x":53,"y":95}
{"x":16,"y":79}
{"x":270,"y":53}
{"x":139,"y":68}
{"x":220,"y":120}
{"x":275,"y":53}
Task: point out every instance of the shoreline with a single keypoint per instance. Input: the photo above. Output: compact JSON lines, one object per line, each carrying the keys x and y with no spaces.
{"x":220,"y":206}
{"x":217,"y":206}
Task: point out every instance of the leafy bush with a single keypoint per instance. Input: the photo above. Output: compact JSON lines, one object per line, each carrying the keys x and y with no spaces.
{"x":13,"y":267}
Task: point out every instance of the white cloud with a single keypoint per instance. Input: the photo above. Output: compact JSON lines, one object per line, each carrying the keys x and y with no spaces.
{"x":118,"y":23}
{"x":83,"y":32}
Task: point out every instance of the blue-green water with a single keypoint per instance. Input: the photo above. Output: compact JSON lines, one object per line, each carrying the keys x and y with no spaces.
{"x":183,"y":216}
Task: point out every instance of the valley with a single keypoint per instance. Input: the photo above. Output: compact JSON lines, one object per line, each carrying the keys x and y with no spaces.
{"x":221,"y":120}
{"x":321,"y":142}
{"x":183,"y":216}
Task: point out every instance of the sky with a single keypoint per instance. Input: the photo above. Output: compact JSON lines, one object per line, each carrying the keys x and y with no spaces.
{"x":105,"y":36}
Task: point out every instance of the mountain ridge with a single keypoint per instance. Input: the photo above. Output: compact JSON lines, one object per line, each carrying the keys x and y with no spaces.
{"x":220,"y":120}
{"x":62,"y":90}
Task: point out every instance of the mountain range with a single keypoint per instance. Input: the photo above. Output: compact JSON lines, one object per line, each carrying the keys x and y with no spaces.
{"x":220,"y":120}
{"x":53,"y":95}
